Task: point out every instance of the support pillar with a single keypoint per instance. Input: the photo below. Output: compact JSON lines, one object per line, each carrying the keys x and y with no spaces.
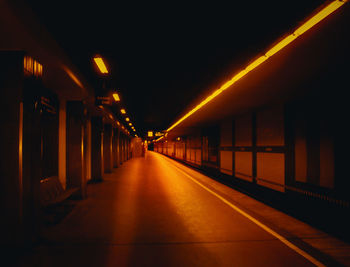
{"x":97,"y":168}
{"x":88,"y":149}
{"x":62,"y":146}
{"x":107,"y":148}
{"x":115,"y":148}
{"x":125,"y":149}
{"x":121,"y":146}
{"x":11,"y":119}
{"x":76,"y":175}
{"x":20,"y":141}
{"x":129,"y":149}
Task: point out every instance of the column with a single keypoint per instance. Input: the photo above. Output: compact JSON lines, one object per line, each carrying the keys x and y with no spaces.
{"x":115,"y":148}
{"x":76,"y":176}
{"x":62,"y":135}
{"x":107,"y":148}
{"x":97,"y":168}
{"x":20,"y":154}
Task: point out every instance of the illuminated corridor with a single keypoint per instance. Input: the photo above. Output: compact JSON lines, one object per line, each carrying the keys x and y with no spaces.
{"x":174,"y":134}
{"x":150,"y":212}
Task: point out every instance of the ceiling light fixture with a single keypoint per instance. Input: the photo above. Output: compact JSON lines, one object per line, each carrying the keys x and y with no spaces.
{"x":101,"y":65}
{"x":116,"y":97}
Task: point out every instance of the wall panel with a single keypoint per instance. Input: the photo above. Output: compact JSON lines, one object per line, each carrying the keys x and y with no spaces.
{"x":270,"y":170}
{"x":243,"y":130}
{"x":226,"y":162}
{"x":198,"y":155}
{"x":270,"y":127}
{"x":226,"y":134}
{"x":244,"y":165}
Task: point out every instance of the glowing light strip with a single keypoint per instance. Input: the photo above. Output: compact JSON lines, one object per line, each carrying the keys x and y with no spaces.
{"x":116,"y":97}
{"x":32,"y":66}
{"x":283,"y":43}
{"x":101,"y":65}
{"x":72,"y":76}
{"x":319,"y":16}
{"x":159,"y":139}
{"x":256,"y":63}
{"x":327,"y":10}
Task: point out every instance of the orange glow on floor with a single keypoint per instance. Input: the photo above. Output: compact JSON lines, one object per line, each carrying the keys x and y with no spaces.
{"x":323,"y":13}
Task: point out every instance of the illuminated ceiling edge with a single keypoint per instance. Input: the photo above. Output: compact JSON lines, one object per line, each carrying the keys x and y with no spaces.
{"x":323,"y":13}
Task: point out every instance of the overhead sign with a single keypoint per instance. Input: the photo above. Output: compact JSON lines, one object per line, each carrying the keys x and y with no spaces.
{"x":158,"y":134}
{"x":103,"y":100}
{"x":47,"y":105}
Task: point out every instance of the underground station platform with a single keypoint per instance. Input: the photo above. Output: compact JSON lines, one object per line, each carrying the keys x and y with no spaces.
{"x":155,"y":211}
{"x":147,"y":134}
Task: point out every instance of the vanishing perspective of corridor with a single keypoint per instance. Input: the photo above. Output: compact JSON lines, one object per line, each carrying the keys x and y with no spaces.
{"x":154,"y":211}
{"x":174,"y":134}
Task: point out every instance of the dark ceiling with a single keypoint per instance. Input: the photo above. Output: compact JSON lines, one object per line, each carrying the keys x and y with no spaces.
{"x":165,"y":55}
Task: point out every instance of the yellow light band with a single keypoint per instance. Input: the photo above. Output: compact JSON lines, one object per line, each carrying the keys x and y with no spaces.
{"x":116,"y":97}
{"x":319,"y":16}
{"x":284,"y":42}
{"x":255,"y":63}
{"x":101,"y":65}
{"x":323,"y":13}
{"x":159,"y":138}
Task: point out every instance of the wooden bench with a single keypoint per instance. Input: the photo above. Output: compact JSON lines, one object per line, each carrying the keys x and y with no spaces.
{"x":52,"y":192}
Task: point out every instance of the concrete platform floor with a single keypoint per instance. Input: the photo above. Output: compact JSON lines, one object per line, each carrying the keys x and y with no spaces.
{"x":154,"y":211}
